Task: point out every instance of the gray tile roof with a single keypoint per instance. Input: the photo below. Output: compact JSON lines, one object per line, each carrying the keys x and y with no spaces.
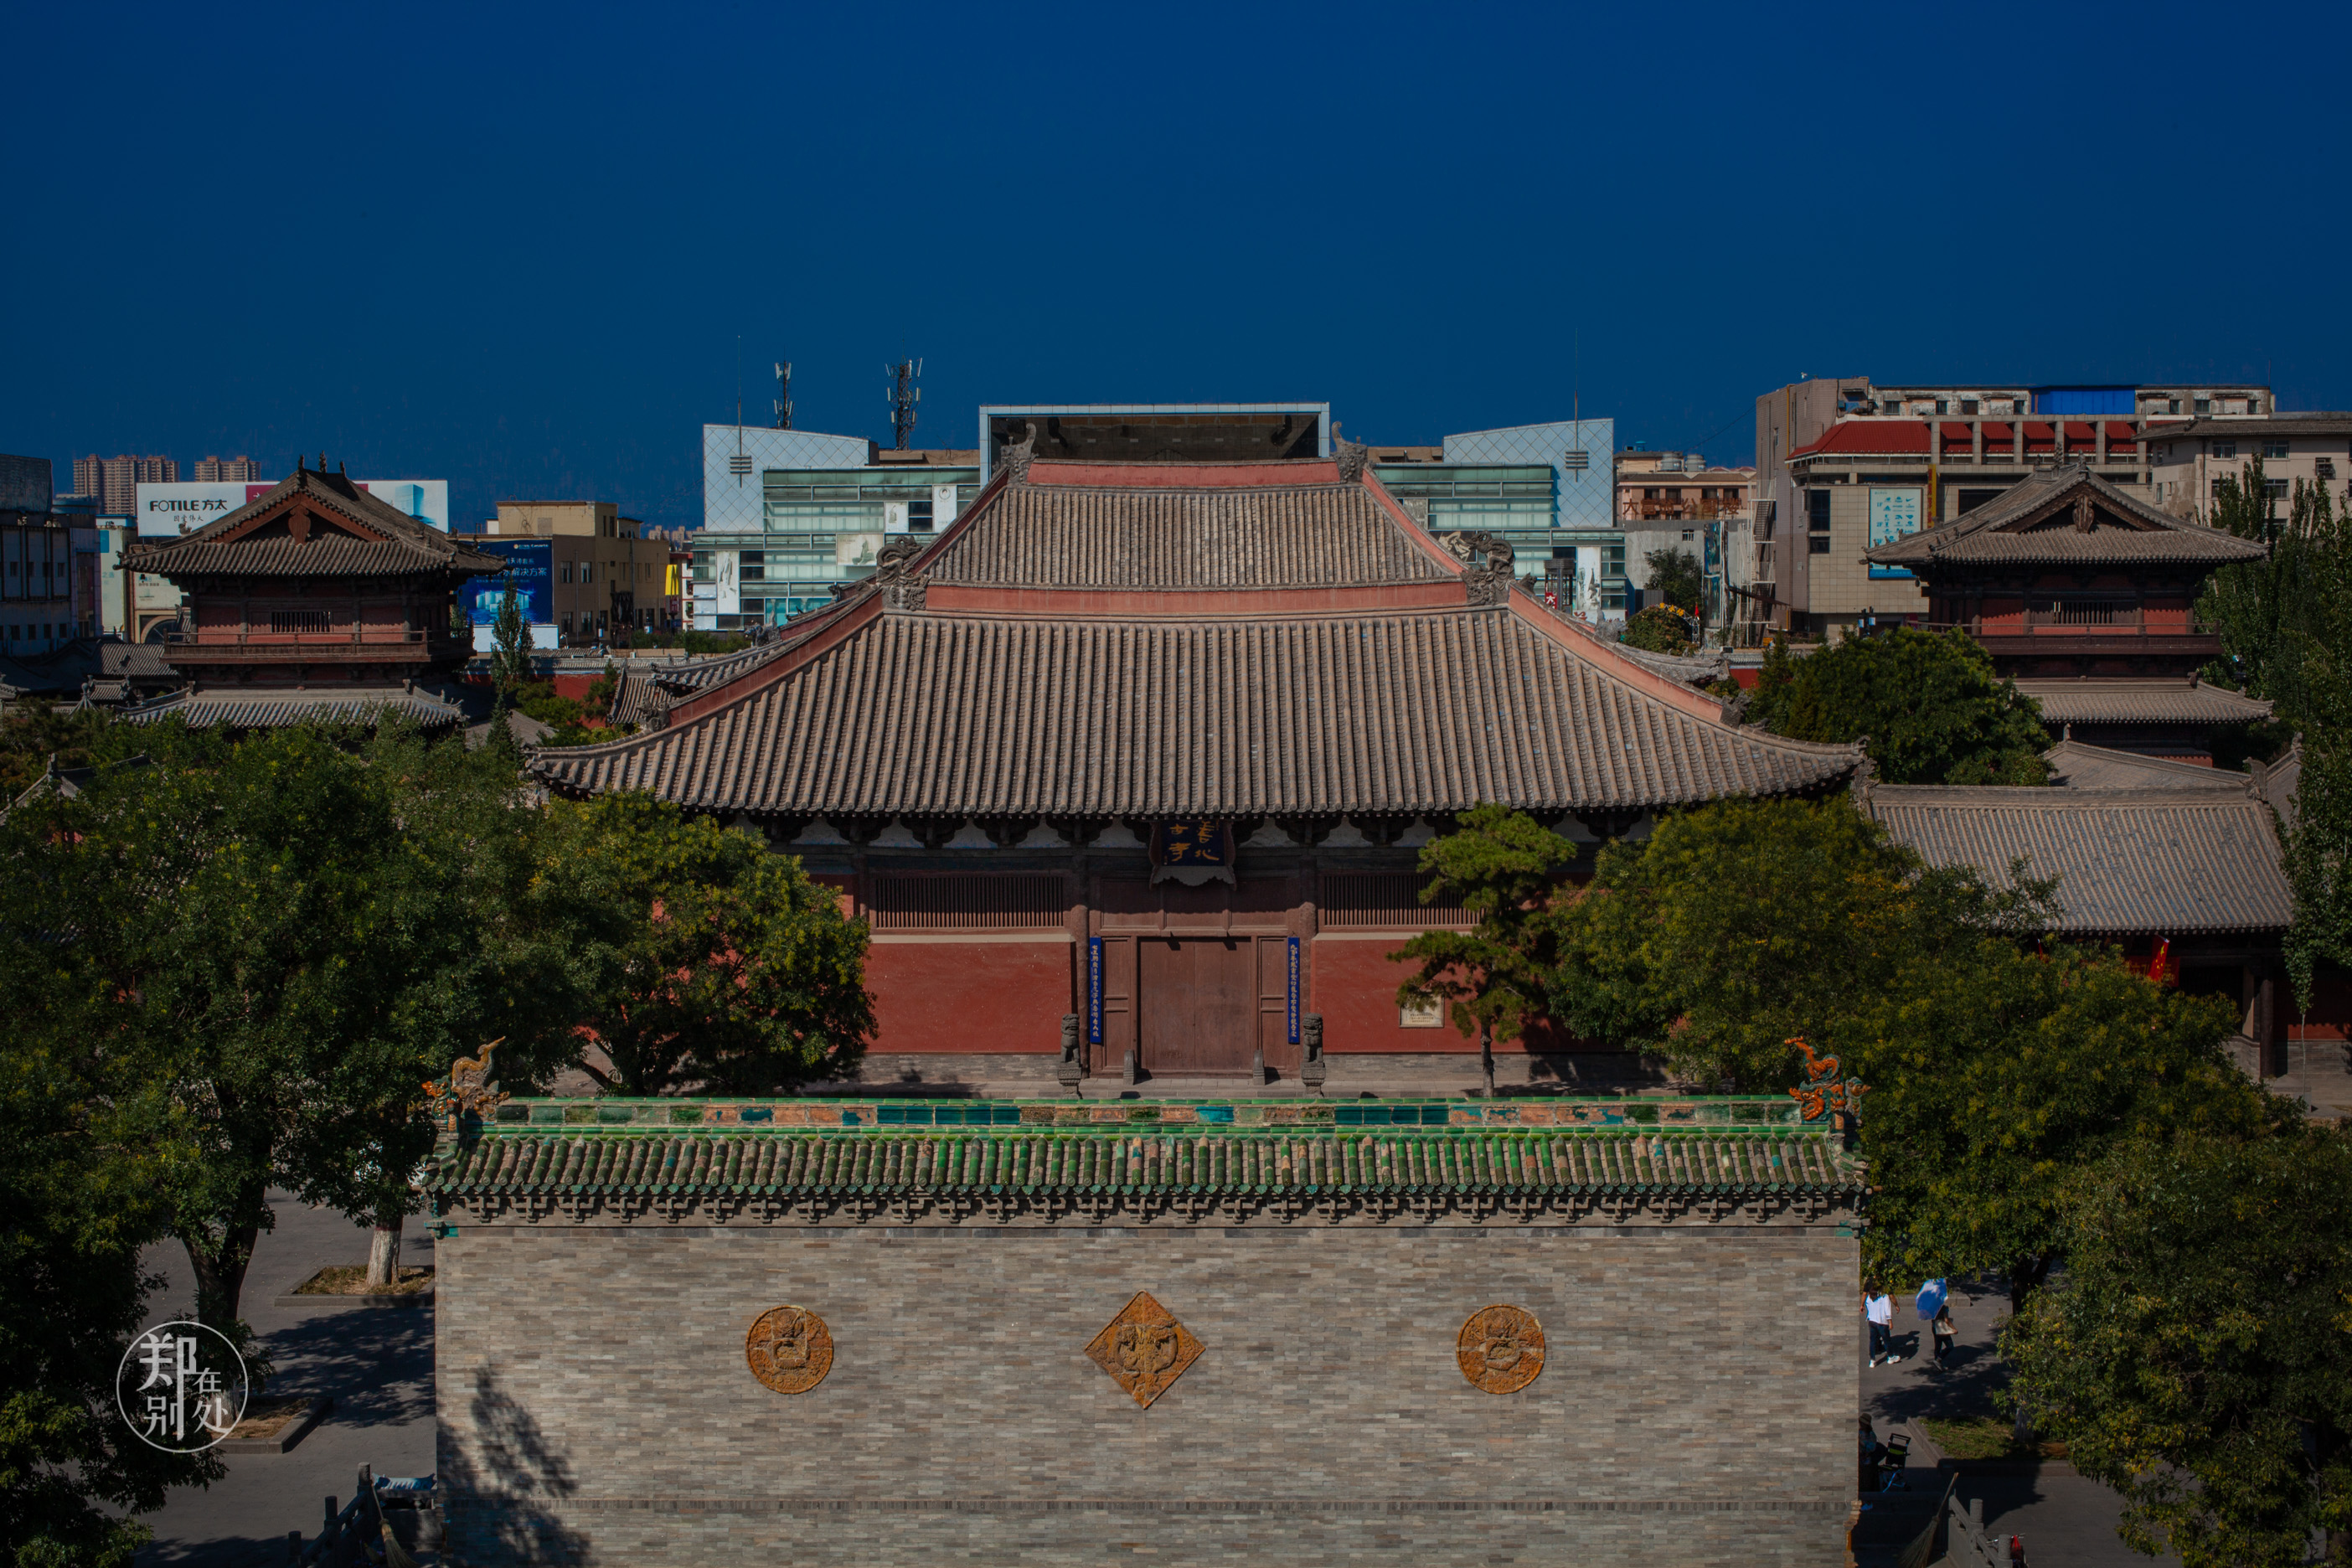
{"x":1335,"y":704}
{"x":2155,"y":862}
{"x":2150,"y":702}
{"x":638,"y":699}
{"x":702,"y":674}
{"x":1063,"y":536}
{"x":2034,"y":523}
{"x":390,"y":542}
{"x":1398,"y":714}
{"x":259,"y":708}
{"x":1203,"y":1157}
{"x":2076,"y":765}
{"x":2313,"y":422}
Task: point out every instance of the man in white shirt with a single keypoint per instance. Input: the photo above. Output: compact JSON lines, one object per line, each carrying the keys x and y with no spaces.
{"x":1879,"y":1308}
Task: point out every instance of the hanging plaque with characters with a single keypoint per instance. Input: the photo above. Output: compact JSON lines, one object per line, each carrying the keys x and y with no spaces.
{"x":1191,"y":850}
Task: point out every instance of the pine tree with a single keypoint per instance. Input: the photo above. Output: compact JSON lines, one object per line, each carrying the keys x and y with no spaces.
{"x":510,"y":654}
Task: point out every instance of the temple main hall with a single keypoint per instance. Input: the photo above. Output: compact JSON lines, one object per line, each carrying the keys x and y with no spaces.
{"x":1151,"y":748}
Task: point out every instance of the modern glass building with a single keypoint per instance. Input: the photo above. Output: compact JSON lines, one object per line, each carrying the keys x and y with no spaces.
{"x":1547,"y":488}
{"x":817,"y":526}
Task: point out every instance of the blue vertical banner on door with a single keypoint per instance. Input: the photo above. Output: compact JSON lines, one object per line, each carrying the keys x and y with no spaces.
{"x":1094,"y":991}
{"x":1291,"y":988}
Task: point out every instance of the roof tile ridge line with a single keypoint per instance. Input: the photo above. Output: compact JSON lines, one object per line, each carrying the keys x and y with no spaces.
{"x":1413,"y":531}
{"x":743,"y":688}
{"x":1579,"y":643}
{"x":966,"y":520}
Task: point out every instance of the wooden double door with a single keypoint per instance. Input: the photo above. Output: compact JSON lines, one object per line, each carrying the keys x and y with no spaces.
{"x":1207,"y":1004}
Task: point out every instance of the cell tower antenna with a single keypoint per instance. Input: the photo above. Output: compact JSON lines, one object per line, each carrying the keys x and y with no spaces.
{"x":783,"y":394}
{"x":739,"y":463}
{"x":903,"y":396}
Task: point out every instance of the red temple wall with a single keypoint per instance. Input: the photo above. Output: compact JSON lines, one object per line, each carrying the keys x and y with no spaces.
{"x":965,"y":996}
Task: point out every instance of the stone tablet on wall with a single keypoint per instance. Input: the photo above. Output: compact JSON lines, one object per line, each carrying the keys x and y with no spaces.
{"x":1144,"y":1349}
{"x":790,"y":1349}
{"x":1501,"y":1348}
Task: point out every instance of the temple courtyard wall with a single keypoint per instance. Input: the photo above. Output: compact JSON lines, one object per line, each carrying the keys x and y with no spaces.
{"x":1696,"y":1403}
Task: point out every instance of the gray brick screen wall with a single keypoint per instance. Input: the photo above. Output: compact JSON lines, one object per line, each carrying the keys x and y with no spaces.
{"x":1697,"y":1405}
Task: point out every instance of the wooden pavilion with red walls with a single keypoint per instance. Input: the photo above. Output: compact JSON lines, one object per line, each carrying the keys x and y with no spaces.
{"x":315,"y":600}
{"x":1156,"y":745}
{"x":2086,"y":594}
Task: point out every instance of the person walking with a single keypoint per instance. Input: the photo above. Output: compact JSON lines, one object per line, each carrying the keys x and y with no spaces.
{"x":1878,"y":1309}
{"x":1946,"y":1331}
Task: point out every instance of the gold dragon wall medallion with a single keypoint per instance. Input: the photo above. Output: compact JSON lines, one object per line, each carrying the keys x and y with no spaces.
{"x":790,"y":1349}
{"x":1144,"y":1349}
{"x":1501,"y":1348}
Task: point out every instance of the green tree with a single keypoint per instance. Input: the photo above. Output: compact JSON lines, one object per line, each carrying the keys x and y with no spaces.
{"x":1675,"y":574}
{"x":82,"y":1153}
{"x":1499,"y":865}
{"x":439,"y":966}
{"x":2197,"y":1354}
{"x":1928,"y":704}
{"x":1736,"y":927}
{"x":32,"y":733}
{"x":287,"y":936}
{"x":1995,"y":1069}
{"x":1997,"y":1073}
{"x":1658,"y":630}
{"x":714,"y":963}
{"x":511,"y":642}
{"x":2285,"y":625}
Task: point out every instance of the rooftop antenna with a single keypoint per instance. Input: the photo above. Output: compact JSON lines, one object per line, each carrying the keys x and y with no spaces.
{"x":903,"y":396}
{"x":740,"y":464}
{"x":783,"y":394}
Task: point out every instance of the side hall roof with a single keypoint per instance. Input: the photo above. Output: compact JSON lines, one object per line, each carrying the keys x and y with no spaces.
{"x":2154,"y":700}
{"x":2146,"y":862}
{"x":2067,"y":516}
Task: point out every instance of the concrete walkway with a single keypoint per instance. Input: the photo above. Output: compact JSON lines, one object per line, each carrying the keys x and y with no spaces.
{"x":2063,"y":1518}
{"x":377,"y":1362}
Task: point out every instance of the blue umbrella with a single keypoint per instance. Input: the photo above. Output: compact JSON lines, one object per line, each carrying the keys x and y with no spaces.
{"x":1931,"y":1300}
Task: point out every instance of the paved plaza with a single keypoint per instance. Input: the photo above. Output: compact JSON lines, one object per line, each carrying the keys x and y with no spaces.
{"x":376,"y":1363}
{"x":2063,"y":1519}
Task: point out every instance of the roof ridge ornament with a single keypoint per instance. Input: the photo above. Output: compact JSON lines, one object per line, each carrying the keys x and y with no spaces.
{"x":1351,"y":457}
{"x":1020,"y":454}
{"x":1488,"y":582}
{"x":893,"y":573}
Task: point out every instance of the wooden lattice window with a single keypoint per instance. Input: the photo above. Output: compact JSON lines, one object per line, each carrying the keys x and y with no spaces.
{"x":299,"y":621}
{"x":967,"y":901}
{"x":1382,"y":900}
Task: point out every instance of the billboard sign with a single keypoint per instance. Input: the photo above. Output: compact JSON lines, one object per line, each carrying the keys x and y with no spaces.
{"x":530,"y":567}
{"x":167,"y":511}
{"x":1895,"y":514}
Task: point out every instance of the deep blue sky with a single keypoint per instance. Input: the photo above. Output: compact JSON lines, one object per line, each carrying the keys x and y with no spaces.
{"x":513,"y":246}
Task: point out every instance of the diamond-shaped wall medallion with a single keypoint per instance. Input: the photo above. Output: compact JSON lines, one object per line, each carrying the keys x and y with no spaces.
{"x":1144,"y":1349}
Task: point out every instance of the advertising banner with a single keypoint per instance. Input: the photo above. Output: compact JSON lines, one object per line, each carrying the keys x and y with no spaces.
{"x":529,"y":567}
{"x":1895,"y":514}
{"x":166,"y":510}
